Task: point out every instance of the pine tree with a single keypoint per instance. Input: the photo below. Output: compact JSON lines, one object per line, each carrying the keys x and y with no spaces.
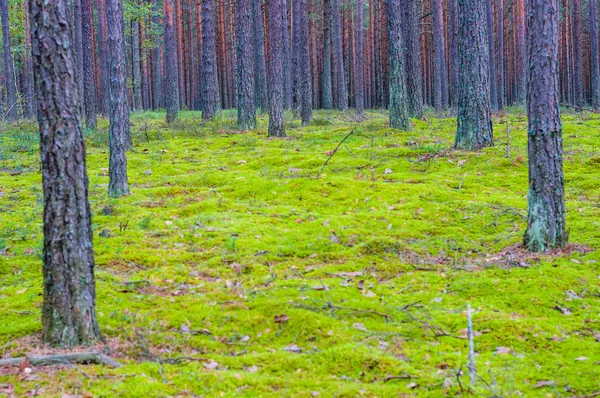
{"x":398,"y":97}
{"x":245,"y":67}
{"x":211,"y":102}
{"x":11,"y":110}
{"x":276,"y":121}
{"x":171,"y":72}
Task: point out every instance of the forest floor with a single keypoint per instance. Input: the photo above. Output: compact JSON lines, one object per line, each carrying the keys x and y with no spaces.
{"x":232,"y":270}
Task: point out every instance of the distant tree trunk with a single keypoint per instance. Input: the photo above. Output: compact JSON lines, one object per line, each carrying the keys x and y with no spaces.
{"x":453,"y":46}
{"x":9,"y":71}
{"x":338,"y":58}
{"x":135,"y":60}
{"x":474,"y":115}
{"x":594,"y":65}
{"x":489,"y":10}
{"x":245,"y":67}
{"x":260,"y":66}
{"x":89,"y":70}
{"x":577,"y":60}
{"x":399,"y":118}
{"x":119,"y":135}
{"x":327,"y":80}
{"x":171,"y":70}
{"x":304,"y":65}
{"x":287,"y":60}
{"x":410,"y":30}
{"x":500,"y":63}
{"x":440,"y":80}
{"x":104,"y":55}
{"x":78,"y":41}
{"x":157,"y":89}
{"x":359,"y":61}
{"x":30,"y":109}
{"x":68,"y":311}
{"x":209,"y":79}
{"x":546,"y":219}
{"x":276,"y":121}
{"x":521,"y":50}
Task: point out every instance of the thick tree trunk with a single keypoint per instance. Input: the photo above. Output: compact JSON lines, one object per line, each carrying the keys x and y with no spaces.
{"x":489,"y":10}
{"x":276,"y":121}
{"x":440,"y":79}
{"x":410,"y":30}
{"x":245,"y":67}
{"x":68,"y":311}
{"x":594,"y":65}
{"x":157,"y":87}
{"x":11,"y":110}
{"x":260,"y":66}
{"x":338,"y":59}
{"x":171,"y":70}
{"x":546,"y":220}
{"x":135,"y":60}
{"x":359,"y":61}
{"x":104,"y":55}
{"x":209,"y":78}
{"x":89,"y":70}
{"x":119,"y":135}
{"x":474,"y":115}
{"x":306,"y":99}
{"x":327,"y":80}
{"x":398,"y":97}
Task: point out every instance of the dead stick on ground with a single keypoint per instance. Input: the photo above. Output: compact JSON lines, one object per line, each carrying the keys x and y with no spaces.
{"x":61,"y":359}
{"x":334,"y":152}
{"x":472,"y":369}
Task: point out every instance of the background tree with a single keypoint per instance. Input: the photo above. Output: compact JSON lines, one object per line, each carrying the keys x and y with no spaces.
{"x":69,"y":307}
{"x":11,"y":110}
{"x":245,"y":67}
{"x":577,"y":59}
{"x":474,"y":115}
{"x":341,"y":96}
{"x":171,"y":72}
{"x":209,"y":79}
{"x":500,"y":52}
{"x":359,"y":61}
{"x":327,"y":74}
{"x":453,"y":49}
{"x":410,"y":31}
{"x":398,"y":97}
{"x":104,"y":56}
{"x":260,"y":66}
{"x":276,"y":121}
{"x":489,"y":11}
{"x":594,"y":65}
{"x":119,"y":134}
{"x":440,"y":80}
{"x":303,"y":56}
{"x":89,"y":71}
{"x":546,"y":219}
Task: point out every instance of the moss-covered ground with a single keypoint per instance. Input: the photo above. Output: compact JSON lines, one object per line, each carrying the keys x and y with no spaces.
{"x":232,"y":270}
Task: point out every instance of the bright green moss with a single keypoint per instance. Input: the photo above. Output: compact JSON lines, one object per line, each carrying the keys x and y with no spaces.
{"x":224,"y":231}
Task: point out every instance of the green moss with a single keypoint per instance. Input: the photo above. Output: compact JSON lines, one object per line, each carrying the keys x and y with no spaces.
{"x":373,"y":262}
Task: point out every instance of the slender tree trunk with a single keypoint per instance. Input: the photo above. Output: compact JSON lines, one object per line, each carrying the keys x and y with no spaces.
{"x":359,"y":61}
{"x":594,"y":64}
{"x":104,"y":55}
{"x":474,"y":116}
{"x":276,"y":121}
{"x":327,"y":80}
{"x":245,"y":67}
{"x":338,"y":58}
{"x":157,"y":90}
{"x":453,"y":45}
{"x":30,"y":109}
{"x":439,"y":74}
{"x":577,"y":59}
{"x":78,"y":33}
{"x":135,"y":60}
{"x":11,"y":110}
{"x":410,"y":30}
{"x":546,"y":219}
{"x":172,"y":73}
{"x":260,"y":66}
{"x":119,"y":134}
{"x":287,"y":61}
{"x":89,"y":71}
{"x":68,"y":311}
{"x":500,"y":63}
{"x":398,"y":96}
{"x":304,"y":65}
{"x":521,"y":71}
{"x":210,"y":81}
{"x":489,"y":10}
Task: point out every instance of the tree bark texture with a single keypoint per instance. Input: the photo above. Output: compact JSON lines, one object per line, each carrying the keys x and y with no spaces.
{"x":11,"y":110}
{"x":171,"y":70}
{"x":89,"y":69}
{"x":276,"y":120}
{"x":210,"y":80}
{"x":410,"y":30}
{"x":245,"y":67}
{"x":399,"y":118}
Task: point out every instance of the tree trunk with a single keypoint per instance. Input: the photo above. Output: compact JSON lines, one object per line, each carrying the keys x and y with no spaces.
{"x":11,"y":110}
{"x":89,"y":70}
{"x":359,"y":61}
{"x":245,"y":67}
{"x":453,"y":46}
{"x":79,"y":52}
{"x":500,"y":63}
{"x":489,"y":10}
{"x":521,"y":71}
{"x":338,"y":58}
{"x":398,"y":97}
{"x":260,"y":66}
{"x":68,"y":311}
{"x":30,"y":109}
{"x":440,"y":80}
{"x":119,"y":135}
{"x":104,"y":55}
{"x":209,"y":79}
{"x":327,"y":80}
{"x":594,"y":65}
{"x":546,"y":219}
{"x":306,"y":99}
{"x":157,"y":89}
{"x":171,"y":70}
{"x":474,"y":115}
{"x":578,"y":68}
{"x":276,"y":121}
{"x":135,"y":60}
{"x":287,"y":61}
{"x":410,"y":30}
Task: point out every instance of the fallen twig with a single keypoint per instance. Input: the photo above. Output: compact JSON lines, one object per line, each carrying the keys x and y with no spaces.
{"x":334,"y":152}
{"x":61,"y":359}
{"x":472,"y":369}
{"x":388,"y":378}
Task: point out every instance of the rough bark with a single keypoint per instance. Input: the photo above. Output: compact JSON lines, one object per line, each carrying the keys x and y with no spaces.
{"x":276,"y":121}
{"x":104,"y":55}
{"x":594,"y":64}
{"x":440,"y":79}
{"x":119,"y":134}
{"x":500,"y":63}
{"x":11,"y":110}
{"x":359,"y":88}
{"x":338,"y":59}
{"x":157,"y":87}
{"x":135,"y":61}
{"x":79,"y":51}
{"x":260,"y":67}
{"x":288,"y":86}
{"x":326,"y":78}
{"x":410,"y":30}
{"x":30,"y":109}
{"x":546,"y":219}
{"x":306,"y":99}
{"x":577,"y":60}
{"x":399,"y":118}
{"x":453,"y":49}
{"x":68,"y":310}
{"x":171,"y":70}
{"x":209,"y":78}
{"x":245,"y":67}
{"x":521,"y":71}
{"x":474,"y":116}
{"x":489,"y":11}
{"x":89,"y":70}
